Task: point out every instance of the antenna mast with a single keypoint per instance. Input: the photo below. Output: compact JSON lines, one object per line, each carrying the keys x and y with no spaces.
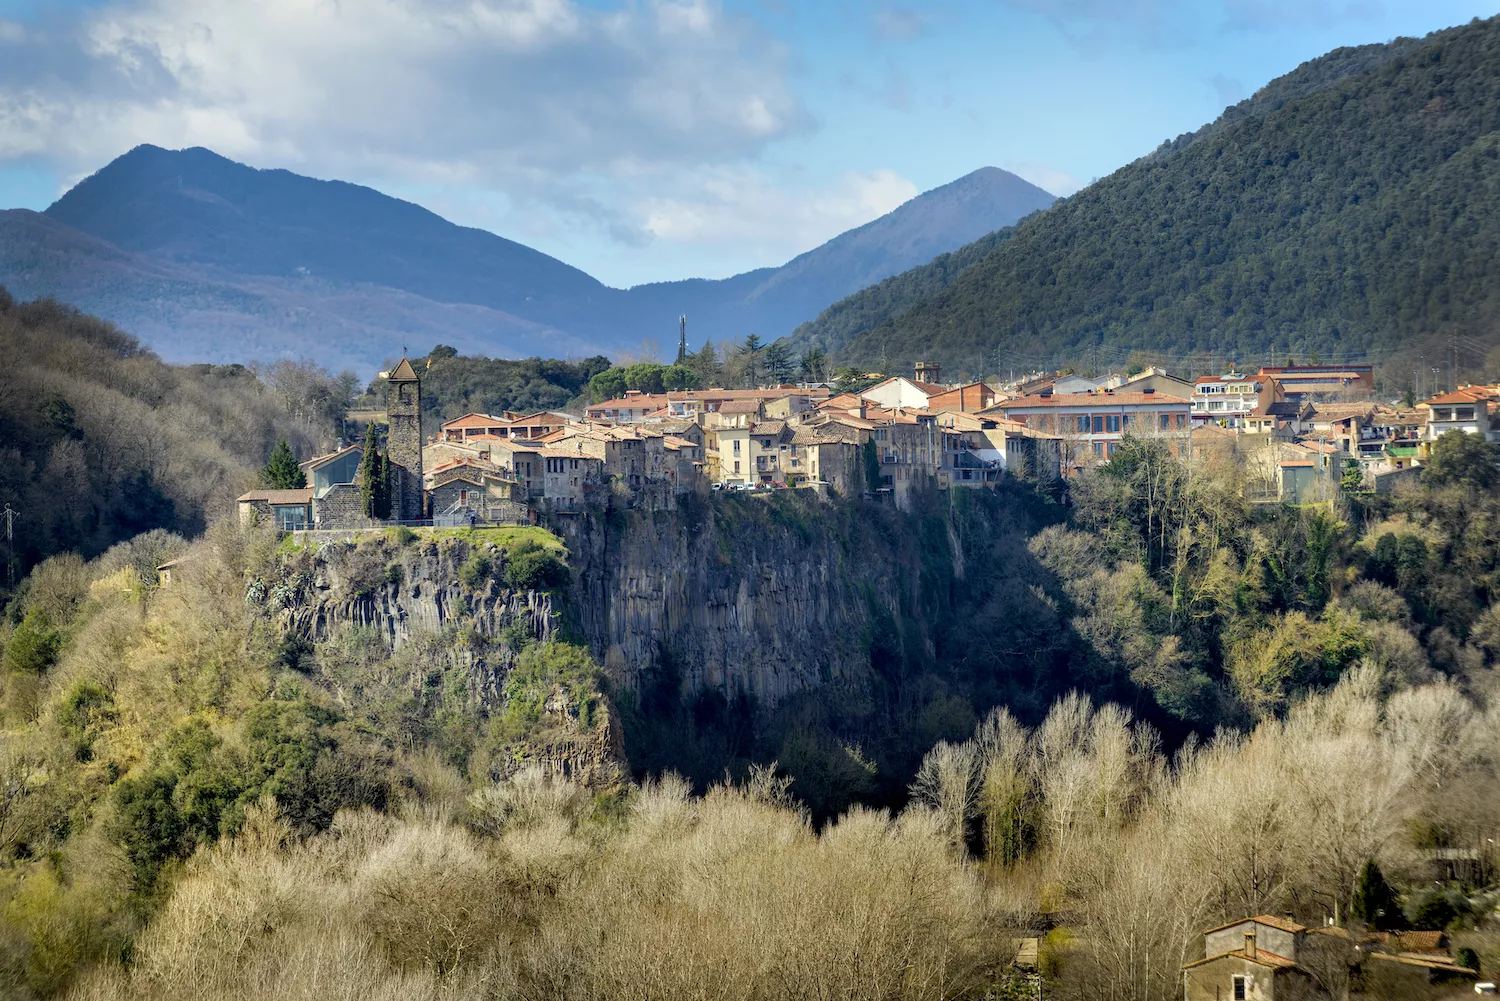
{"x":682,"y":338}
{"x":10,"y":515}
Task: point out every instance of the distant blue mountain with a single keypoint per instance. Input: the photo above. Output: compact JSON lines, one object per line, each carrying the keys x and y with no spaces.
{"x":205,"y":257}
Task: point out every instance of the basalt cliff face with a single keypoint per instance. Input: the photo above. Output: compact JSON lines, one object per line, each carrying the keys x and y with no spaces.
{"x":765,"y":596}
{"x":759,"y":596}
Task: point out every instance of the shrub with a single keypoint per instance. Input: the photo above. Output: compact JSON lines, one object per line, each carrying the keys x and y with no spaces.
{"x":401,"y":535}
{"x":532,"y":567}
{"x":86,"y":710}
{"x":33,"y":647}
{"x":475,"y":572}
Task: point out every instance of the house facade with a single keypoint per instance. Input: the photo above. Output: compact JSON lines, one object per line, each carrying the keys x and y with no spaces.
{"x":1469,"y":409}
{"x":1092,"y":425}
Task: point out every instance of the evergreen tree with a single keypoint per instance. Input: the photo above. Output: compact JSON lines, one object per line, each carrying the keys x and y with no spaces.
{"x":778,"y":362}
{"x":1374,"y":900}
{"x":383,"y":492}
{"x":281,"y":472}
{"x":371,"y":476}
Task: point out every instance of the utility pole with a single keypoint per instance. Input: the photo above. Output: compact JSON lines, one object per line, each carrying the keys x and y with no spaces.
{"x":10,"y":515}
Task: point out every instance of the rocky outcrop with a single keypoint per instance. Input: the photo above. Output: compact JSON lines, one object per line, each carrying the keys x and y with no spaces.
{"x":408,"y":591}
{"x":761,"y":595}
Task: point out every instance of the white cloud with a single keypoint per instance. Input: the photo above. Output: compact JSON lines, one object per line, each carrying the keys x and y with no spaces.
{"x":521,"y":95}
{"x":742,"y":207}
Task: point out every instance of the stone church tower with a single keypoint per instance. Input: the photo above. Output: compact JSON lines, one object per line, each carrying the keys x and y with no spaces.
{"x":403,"y":414}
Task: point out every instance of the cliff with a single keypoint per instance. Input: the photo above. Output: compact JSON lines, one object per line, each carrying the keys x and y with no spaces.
{"x":712,"y":630}
{"x":765,"y":595}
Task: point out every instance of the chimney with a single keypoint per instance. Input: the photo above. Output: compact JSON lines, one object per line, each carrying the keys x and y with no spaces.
{"x":1148,"y":390}
{"x":1250,"y":944}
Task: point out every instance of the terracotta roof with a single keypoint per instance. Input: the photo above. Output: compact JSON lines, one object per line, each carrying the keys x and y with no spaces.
{"x":539,"y":417}
{"x":1426,"y":962}
{"x":1420,"y":941}
{"x":1297,"y":463}
{"x":1261,"y":957}
{"x":1342,"y":411}
{"x":768,"y":427}
{"x":474,"y":420}
{"x":828,"y":433}
{"x":402,"y":373}
{"x":1101,"y":398}
{"x":843,"y":401}
{"x":303,"y":496}
{"x":739,"y":407}
{"x":1269,"y":920}
{"x":702,"y":395}
{"x":456,"y":463}
{"x":1466,"y":394}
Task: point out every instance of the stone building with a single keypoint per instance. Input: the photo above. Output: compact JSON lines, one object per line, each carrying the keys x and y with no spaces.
{"x":403,"y":409}
{"x":1253,"y":959}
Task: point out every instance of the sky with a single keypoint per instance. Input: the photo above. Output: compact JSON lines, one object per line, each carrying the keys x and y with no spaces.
{"x":648,"y":140}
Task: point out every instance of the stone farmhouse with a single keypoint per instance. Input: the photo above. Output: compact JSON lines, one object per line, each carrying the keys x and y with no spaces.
{"x":1270,"y":958}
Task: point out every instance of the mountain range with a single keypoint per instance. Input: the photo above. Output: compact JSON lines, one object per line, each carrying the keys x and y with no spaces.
{"x":211,"y":260}
{"x":1350,"y":209}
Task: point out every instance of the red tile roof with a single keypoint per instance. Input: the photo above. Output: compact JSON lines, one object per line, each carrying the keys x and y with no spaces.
{"x":1269,"y":920}
{"x":474,"y":421}
{"x":1095,"y":399}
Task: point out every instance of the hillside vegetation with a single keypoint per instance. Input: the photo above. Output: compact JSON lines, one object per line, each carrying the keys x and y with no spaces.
{"x":1349,"y":211}
{"x":100,"y":441}
{"x":203,"y":804}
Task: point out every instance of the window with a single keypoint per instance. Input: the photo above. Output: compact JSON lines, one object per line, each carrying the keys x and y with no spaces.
{"x":1164,"y":419}
{"x":736,"y":452}
{"x":1464,"y":414}
{"x":1112,"y":424}
{"x":1098,"y":424}
{"x":765,"y":443}
{"x":1180,"y":419}
{"x":736,"y":463}
{"x":1129,"y":419}
{"x":1083,"y":423}
{"x":1099,"y":449}
{"x":1239,"y":989}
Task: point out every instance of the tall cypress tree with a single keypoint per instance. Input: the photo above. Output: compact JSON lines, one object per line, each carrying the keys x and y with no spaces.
{"x":370,"y":476}
{"x":384,"y":506}
{"x":1374,"y":901}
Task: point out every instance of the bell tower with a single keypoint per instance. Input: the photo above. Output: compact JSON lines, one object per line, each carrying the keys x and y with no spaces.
{"x":403,"y":415}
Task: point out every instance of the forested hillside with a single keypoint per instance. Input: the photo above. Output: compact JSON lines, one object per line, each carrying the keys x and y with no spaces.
{"x":99,"y":440}
{"x":1347,"y":211}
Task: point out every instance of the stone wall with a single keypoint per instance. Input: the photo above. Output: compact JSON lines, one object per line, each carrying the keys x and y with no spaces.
{"x":343,"y":506}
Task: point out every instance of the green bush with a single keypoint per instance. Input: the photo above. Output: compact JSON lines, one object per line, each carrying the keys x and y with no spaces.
{"x":87,"y":709}
{"x":1436,"y":908}
{"x":34,"y":646}
{"x":476,"y":571}
{"x":532,"y":567}
{"x":401,"y":535}
{"x":540,"y":670}
{"x":1468,"y":959}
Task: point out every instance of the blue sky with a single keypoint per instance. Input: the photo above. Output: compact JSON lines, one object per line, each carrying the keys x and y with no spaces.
{"x":650,"y":139}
